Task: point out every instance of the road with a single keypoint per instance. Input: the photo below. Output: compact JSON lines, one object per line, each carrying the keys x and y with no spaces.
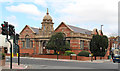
{"x":57,"y":64}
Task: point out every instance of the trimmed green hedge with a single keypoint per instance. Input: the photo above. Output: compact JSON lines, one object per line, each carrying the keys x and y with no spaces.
{"x":84,"y":53}
{"x":68,"y":53}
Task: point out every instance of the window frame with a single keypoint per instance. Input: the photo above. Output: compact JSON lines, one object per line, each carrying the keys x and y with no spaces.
{"x":81,"y":44}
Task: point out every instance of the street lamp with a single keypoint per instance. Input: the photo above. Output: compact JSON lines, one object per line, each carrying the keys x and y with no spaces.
{"x":91,"y":57}
{"x":101,"y":27}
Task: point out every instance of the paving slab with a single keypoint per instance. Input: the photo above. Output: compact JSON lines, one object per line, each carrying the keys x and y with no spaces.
{"x":14,"y":66}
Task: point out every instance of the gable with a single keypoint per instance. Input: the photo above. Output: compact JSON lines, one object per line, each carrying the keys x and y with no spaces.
{"x":64,"y":29}
{"x":27,"y":31}
{"x":27,"y":27}
{"x":63,"y":26}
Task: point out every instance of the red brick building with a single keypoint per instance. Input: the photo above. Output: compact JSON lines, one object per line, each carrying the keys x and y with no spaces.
{"x":115,"y":45}
{"x":33,"y":40}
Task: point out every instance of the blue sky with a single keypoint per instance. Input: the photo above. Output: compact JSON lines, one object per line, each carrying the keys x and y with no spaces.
{"x":87,"y":14}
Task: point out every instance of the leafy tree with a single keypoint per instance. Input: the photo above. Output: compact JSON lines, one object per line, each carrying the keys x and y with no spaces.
{"x":98,"y":44}
{"x":57,"y":42}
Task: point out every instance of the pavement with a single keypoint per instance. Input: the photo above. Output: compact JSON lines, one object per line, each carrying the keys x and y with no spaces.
{"x":14,"y":66}
{"x":88,"y":61}
{"x":25,"y":66}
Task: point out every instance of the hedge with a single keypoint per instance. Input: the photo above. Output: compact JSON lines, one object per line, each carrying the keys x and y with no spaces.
{"x":84,"y":53}
{"x":68,"y":53}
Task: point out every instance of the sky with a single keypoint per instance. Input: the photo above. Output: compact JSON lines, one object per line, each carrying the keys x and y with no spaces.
{"x":87,"y":14}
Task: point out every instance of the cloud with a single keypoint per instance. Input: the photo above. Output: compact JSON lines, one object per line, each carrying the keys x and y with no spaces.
{"x":40,"y":2}
{"x":25,"y":8}
{"x":84,"y":13}
{"x":12,"y":20}
{"x":87,"y":14}
{"x":12,"y":1}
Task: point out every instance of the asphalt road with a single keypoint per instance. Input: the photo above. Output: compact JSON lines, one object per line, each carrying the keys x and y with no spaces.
{"x":54,"y":64}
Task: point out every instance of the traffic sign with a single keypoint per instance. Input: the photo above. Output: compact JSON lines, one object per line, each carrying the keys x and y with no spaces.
{"x":73,"y":54}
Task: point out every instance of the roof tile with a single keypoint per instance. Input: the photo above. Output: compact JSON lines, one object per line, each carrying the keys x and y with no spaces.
{"x":80,"y":30}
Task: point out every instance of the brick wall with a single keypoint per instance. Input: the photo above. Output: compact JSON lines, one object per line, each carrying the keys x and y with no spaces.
{"x":37,"y":47}
{"x":30,"y":51}
{"x":51,"y":51}
{"x":74,"y":42}
{"x":75,"y":45}
{"x":29,"y":32}
{"x":82,"y":58}
{"x":63,"y":28}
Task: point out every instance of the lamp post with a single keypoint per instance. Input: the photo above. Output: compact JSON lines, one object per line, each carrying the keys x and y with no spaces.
{"x":91,"y":55}
{"x":57,"y":55}
{"x":101,"y":27}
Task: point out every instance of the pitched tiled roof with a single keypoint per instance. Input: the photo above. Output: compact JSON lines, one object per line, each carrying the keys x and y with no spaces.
{"x":36,"y":30}
{"x":80,"y":30}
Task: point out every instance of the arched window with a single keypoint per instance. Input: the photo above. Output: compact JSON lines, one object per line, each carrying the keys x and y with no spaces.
{"x":31,"y":44}
{"x":27,"y":41}
{"x":81,"y":44}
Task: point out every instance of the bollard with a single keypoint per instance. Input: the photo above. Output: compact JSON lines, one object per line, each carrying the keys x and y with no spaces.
{"x":70,"y":57}
{"x":76,"y":57}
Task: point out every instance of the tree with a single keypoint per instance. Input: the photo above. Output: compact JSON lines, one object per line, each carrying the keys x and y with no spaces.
{"x":57,"y":42}
{"x":98,"y":44}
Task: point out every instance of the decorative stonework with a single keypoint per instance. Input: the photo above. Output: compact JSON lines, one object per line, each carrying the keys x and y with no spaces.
{"x":40,"y":36}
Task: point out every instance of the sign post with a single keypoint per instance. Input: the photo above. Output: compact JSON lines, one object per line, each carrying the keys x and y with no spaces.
{"x":57,"y":55}
{"x":91,"y":55}
{"x":73,"y":55}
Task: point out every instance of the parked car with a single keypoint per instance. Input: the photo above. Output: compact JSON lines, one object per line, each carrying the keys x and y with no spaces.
{"x":116,"y":58}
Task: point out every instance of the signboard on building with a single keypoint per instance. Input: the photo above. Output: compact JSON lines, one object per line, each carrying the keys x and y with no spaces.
{"x":73,"y":54}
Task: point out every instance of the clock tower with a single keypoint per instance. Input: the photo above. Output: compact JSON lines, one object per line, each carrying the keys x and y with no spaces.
{"x":47,"y":24}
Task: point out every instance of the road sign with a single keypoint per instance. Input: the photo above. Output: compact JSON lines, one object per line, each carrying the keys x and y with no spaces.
{"x":73,"y":54}
{"x":89,"y":55}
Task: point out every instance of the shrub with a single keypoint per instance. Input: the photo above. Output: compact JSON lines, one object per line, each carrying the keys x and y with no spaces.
{"x":84,"y":53}
{"x":49,"y":54}
{"x":55,"y":53}
{"x":68,"y":53}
